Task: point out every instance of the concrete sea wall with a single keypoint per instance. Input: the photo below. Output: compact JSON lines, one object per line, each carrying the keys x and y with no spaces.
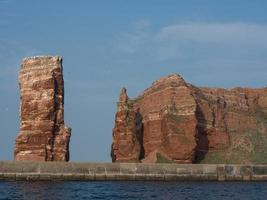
{"x":62,"y":171}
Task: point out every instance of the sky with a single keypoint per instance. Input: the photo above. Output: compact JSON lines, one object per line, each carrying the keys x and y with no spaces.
{"x":110,"y":44}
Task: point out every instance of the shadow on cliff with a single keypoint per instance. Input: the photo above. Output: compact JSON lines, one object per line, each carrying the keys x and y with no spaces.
{"x":201,"y":136}
{"x":140,"y":133}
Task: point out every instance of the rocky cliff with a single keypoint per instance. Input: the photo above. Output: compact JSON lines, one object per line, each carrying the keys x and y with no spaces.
{"x":174,"y":121}
{"x":43,"y":135}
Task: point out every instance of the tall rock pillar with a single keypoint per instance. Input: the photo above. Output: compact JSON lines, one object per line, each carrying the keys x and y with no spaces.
{"x":126,"y":145}
{"x":43,"y":135}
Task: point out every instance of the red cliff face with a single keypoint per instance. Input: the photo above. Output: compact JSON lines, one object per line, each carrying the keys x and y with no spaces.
{"x":126,"y":133}
{"x":173,"y":121}
{"x":43,"y":135}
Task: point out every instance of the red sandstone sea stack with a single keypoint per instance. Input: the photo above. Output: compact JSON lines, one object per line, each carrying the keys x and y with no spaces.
{"x":43,"y":135}
{"x":174,"y":121}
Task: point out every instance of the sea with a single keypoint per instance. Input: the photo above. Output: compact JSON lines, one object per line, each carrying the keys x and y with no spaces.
{"x":133,"y":190}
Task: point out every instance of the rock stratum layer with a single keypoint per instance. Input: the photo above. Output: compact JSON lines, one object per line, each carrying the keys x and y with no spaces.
{"x":174,"y":121}
{"x":43,"y":135}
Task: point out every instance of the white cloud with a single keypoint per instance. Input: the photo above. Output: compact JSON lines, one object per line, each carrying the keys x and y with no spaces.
{"x":130,"y":42}
{"x":208,"y":53}
{"x":215,"y":33}
{"x":196,"y":41}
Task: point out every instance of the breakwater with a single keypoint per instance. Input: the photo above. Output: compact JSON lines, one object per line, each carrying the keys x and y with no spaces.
{"x":62,"y":171}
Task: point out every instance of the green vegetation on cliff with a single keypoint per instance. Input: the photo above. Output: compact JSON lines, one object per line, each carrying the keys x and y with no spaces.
{"x":247,"y":147}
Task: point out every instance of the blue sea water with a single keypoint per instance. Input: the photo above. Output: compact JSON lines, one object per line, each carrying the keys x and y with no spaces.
{"x":133,"y":190}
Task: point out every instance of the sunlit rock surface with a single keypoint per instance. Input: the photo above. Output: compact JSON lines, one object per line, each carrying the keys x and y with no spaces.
{"x":43,"y":135}
{"x":174,"y":121}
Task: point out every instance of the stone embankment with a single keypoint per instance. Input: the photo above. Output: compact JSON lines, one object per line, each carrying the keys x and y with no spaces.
{"x":61,"y":171}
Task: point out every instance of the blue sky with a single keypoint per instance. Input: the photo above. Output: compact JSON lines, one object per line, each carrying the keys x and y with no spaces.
{"x":108,"y":44}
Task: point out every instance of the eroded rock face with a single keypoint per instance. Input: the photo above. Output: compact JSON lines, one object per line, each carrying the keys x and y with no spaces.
{"x":43,"y":135}
{"x":126,"y":145}
{"x":185,"y":124}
